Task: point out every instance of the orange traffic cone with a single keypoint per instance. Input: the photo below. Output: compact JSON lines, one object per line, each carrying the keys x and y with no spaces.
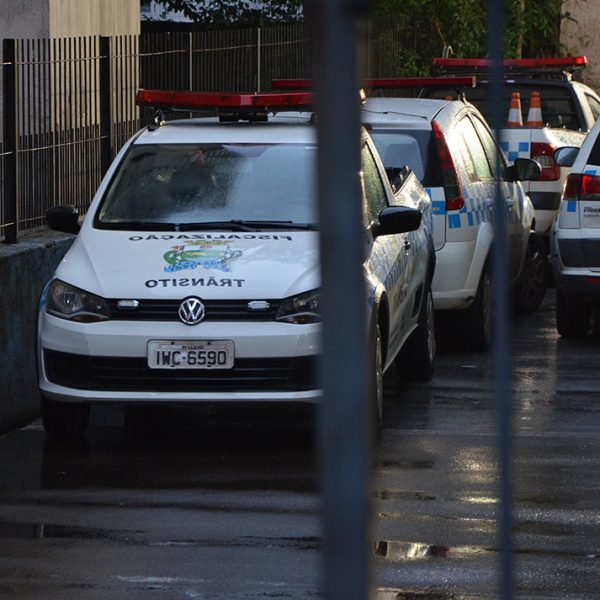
{"x":534,"y":116}
{"x":515,"y":117}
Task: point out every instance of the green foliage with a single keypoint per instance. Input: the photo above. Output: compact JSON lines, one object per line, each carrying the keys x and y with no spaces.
{"x":531,"y":26}
{"x":224,"y":12}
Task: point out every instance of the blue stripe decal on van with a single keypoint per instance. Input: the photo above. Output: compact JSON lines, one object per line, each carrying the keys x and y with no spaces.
{"x":571,"y":205}
{"x":454,"y":221}
{"x":438,"y":207}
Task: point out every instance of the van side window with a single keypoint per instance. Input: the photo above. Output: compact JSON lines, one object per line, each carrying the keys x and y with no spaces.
{"x":470,"y":146}
{"x":490,"y":146}
{"x":594,"y":105}
{"x":372,"y":184}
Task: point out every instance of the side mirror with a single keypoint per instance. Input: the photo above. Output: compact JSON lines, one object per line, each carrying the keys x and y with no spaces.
{"x":397,"y":219}
{"x":524,"y":169}
{"x":63,"y":218}
{"x":565,"y":156}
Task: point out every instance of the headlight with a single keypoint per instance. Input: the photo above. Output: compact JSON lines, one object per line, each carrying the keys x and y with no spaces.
{"x":301,"y":309}
{"x":68,"y":302}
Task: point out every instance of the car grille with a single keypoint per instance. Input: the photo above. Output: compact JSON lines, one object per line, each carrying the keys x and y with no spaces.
{"x":216,"y":310}
{"x":108,"y":373}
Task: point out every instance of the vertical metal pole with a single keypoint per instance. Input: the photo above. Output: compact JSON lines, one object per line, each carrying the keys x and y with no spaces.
{"x":105,"y":106}
{"x":502,"y":370}
{"x":343,"y":425}
{"x":9,"y":139}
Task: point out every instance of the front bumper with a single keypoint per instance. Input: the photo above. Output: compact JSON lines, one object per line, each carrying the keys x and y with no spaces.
{"x":107,"y":362}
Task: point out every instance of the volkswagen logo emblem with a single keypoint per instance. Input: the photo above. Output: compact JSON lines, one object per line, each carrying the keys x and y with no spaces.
{"x":191,"y":311}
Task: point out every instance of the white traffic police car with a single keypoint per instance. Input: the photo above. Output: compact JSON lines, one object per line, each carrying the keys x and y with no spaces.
{"x":449,"y":146}
{"x":575,"y":239}
{"x":195,"y":274}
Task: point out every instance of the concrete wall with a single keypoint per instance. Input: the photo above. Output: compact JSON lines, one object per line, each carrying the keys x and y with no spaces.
{"x":68,"y":18}
{"x":24,"y":18}
{"x":74,"y":18}
{"x":24,"y":270}
{"x":581,"y":36}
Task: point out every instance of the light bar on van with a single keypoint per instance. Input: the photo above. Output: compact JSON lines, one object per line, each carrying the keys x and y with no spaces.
{"x":421,"y":82}
{"x":512,"y":63}
{"x":176,"y":100}
{"x":401,"y":82}
{"x":291,"y":84}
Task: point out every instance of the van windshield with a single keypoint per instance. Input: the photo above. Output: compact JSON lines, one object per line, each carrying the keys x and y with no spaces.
{"x":558,"y":108}
{"x":180,"y":184}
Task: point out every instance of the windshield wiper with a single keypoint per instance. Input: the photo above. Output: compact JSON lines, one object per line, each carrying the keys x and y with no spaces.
{"x":237,"y":225}
{"x":137,"y":225}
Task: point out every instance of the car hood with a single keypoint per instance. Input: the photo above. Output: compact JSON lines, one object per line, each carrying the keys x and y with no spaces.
{"x":215,"y":265}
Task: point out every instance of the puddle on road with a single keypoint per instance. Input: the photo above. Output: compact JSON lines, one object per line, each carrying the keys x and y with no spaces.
{"x":393,"y":550}
{"x":387,"y":594}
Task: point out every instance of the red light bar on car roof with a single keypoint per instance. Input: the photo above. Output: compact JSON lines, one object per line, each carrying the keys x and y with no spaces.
{"x":421,"y":82}
{"x":176,"y":100}
{"x":512,"y":63}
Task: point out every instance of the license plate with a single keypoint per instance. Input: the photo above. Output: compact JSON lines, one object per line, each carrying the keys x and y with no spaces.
{"x":198,"y":354}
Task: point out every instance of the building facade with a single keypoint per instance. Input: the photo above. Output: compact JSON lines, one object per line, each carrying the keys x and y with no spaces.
{"x":579,"y":35}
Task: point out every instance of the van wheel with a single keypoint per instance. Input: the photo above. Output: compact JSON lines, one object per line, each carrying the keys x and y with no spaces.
{"x":477,"y":319}
{"x":416,"y":360}
{"x":573,"y":316}
{"x":64,"y":420}
{"x":534,"y":279}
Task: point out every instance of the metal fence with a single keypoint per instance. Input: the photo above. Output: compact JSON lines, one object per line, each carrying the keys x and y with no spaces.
{"x":68,"y":105}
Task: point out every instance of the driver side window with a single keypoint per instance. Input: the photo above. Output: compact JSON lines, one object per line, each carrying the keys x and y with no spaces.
{"x":373,"y":187}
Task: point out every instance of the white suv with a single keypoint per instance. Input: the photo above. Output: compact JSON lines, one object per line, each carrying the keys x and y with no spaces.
{"x":575,"y":239}
{"x":449,"y":146}
{"x":195,"y":274}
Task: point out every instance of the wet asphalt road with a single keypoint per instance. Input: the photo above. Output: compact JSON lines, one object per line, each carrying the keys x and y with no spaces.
{"x":226,"y":505}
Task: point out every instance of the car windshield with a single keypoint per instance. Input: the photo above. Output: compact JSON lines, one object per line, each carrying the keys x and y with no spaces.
{"x":184,"y":184}
{"x":415,"y":148}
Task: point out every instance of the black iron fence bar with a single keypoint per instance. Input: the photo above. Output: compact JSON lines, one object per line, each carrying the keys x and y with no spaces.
{"x":257,"y":54}
{"x":9,"y":142}
{"x":105,"y":105}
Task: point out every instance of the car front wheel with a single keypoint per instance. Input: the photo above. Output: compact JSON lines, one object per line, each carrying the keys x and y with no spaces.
{"x":376,"y":381}
{"x":478,"y":317}
{"x":534,"y":280}
{"x":416,"y":360}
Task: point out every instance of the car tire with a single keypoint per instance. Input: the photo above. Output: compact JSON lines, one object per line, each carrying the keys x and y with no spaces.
{"x":535,"y":276}
{"x":415,"y":362}
{"x":376,"y":382}
{"x":478,"y":318}
{"x":64,"y":420}
{"x":573,"y":316}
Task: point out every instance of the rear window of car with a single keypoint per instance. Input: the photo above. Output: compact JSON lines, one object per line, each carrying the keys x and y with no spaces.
{"x":558,"y":107}
{"x":415,"y":148}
